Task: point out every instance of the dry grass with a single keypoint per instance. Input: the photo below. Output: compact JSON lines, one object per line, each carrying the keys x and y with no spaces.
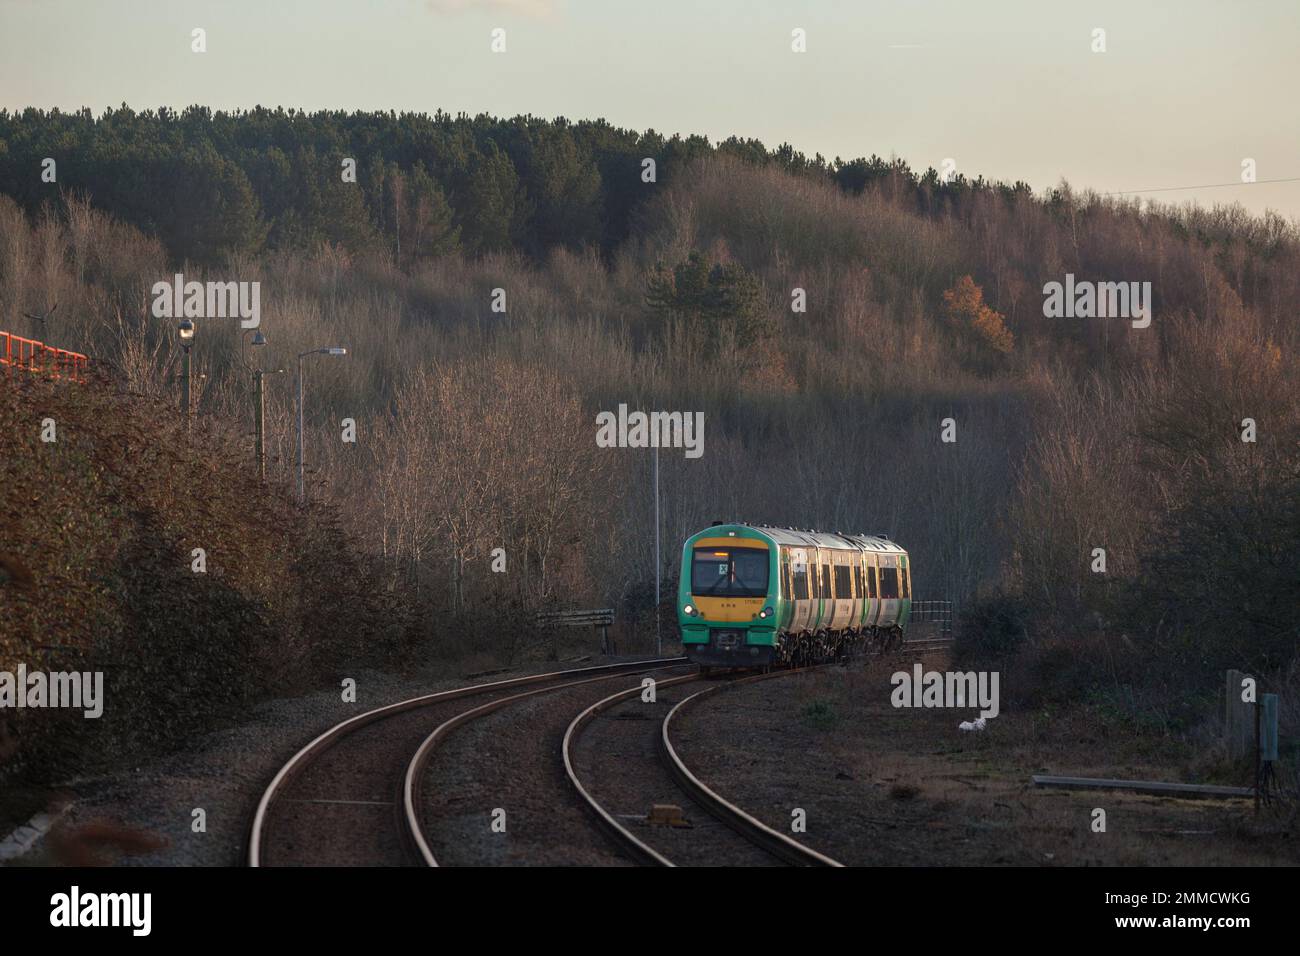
{"x":892,"y":786}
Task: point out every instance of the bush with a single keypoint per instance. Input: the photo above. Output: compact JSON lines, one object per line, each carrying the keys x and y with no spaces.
{"x":104,"y":523}
{"x":992,"y":628}
{"x":820,"y":715}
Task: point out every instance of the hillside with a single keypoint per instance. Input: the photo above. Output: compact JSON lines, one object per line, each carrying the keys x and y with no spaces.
{"x":499,"y":282}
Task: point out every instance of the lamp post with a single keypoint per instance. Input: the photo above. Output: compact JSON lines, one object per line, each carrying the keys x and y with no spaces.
{"x":186,"y":332}
{"x":259,"y":406}
{"x":330,"y":350}
{"x":659,"y":641}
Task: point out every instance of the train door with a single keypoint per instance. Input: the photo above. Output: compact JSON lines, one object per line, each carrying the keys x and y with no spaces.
{"x":842,"y":582}
{"x":873,"y":588}
{"x":801,"y":591}
{"x":859,"y":590}
{"x":905,"y":588}
{"x":825,"y":596}
{"x":828,"y":589}
{"x":890,"y":590}
{"x":787,"y":592}
{"x":832,"y":590}
{"x":818,"y":594}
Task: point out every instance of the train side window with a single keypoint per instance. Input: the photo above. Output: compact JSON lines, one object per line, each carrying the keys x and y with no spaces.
{"x":826,"y":582}
{"x":843,"y":581}
{"x":905,"y":577}
{"x":801,"y":584}
{"x":889,"y":583}
{"x":857,"y":581}
{"x":871,"y":581}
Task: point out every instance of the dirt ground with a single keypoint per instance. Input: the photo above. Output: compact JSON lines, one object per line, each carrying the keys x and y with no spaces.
{"x":141,"y":815}
{"x":904,"y":786}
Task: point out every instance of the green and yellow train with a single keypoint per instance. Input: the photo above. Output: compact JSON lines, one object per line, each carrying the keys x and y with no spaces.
{"x":755,"y":596}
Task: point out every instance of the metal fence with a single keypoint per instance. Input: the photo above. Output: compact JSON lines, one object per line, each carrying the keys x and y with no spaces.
{"x":601,"y":618}
{"x":938,"y":613}
{"x":33,"y":356}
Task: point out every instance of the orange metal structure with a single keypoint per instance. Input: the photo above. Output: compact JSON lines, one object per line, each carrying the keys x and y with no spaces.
{"x":34,"y":356}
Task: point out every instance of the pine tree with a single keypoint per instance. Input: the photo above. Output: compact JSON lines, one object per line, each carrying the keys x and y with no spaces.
{"x":565,"y":187}
{"x":432,"y":230}
{"x":207,"y":211}
{"x":715,"y":298}
{"x":492,"y":202}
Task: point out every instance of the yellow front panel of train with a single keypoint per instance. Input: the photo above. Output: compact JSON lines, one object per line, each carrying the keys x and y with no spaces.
{"x":729,"y":609}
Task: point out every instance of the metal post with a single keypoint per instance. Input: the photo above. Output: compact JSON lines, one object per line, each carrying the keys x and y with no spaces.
{"x":185,"y":384}
{"x":1257,"y":767}
{"x":259,"y":412}
{"x":302,"y":494}
{"x":659,"y":641}
{"x":1237,"y":717}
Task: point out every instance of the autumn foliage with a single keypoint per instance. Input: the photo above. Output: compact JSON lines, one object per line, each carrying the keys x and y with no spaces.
{"x":965,"y":309}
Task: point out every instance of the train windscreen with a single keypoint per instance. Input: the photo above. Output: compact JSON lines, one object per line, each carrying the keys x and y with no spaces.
{"x":729,"y":572}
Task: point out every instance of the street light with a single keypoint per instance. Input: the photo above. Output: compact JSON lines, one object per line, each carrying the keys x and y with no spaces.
{"x":329,"y":350}
{"x":259,"y":408}
{"x":659,"y":641}
{"x":186,"y":332}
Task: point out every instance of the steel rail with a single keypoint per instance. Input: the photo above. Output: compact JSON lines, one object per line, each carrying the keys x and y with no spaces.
{"x":329,"y":737}
{"x":415,"y":767}
{"x":775,"y":842}
{"x":639,"y":849}
{"x":756,"y":832}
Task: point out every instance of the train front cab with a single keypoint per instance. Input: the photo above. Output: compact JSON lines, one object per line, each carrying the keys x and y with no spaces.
{"x":727,"y":598}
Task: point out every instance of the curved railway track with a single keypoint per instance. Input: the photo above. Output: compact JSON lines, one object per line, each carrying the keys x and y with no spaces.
{"x":773,"y":841}
{"x":775,"y":846}
{"x":344,"y":762}
{"x":353,"y":794}
{"x":416,"y":766}
{"x":622,"y":835}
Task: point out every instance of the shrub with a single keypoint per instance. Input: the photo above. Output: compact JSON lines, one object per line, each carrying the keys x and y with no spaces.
{"x":992,"y":627}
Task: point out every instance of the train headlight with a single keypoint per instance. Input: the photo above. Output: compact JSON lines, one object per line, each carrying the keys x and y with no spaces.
{"x":766,"y":612}
{"x":689,"y":609}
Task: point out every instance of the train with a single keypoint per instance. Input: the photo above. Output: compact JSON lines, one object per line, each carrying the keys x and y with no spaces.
{"x":757,"y":597}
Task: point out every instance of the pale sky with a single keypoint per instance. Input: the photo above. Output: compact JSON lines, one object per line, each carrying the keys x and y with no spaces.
{"x":1185,"y":91}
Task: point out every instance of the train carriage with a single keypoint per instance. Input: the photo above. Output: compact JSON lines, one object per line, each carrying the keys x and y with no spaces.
{"x":752,"y":596}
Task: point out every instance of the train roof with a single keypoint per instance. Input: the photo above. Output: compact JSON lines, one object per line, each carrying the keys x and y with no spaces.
{"x":821,"y":539}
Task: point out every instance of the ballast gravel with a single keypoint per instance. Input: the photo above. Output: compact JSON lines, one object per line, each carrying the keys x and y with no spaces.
{"x":146,"y":815}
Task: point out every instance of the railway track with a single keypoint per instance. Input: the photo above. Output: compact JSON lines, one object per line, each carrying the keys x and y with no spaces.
{"x":358,"y":794}
{"x":694,"y":794}
{"x":741,"y":840}
{"x":619,"y":832}
{"x":928,"y":644}
{"x":773,"y":841}
{"x":333,"y":801}
{"x":412,"y":802}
